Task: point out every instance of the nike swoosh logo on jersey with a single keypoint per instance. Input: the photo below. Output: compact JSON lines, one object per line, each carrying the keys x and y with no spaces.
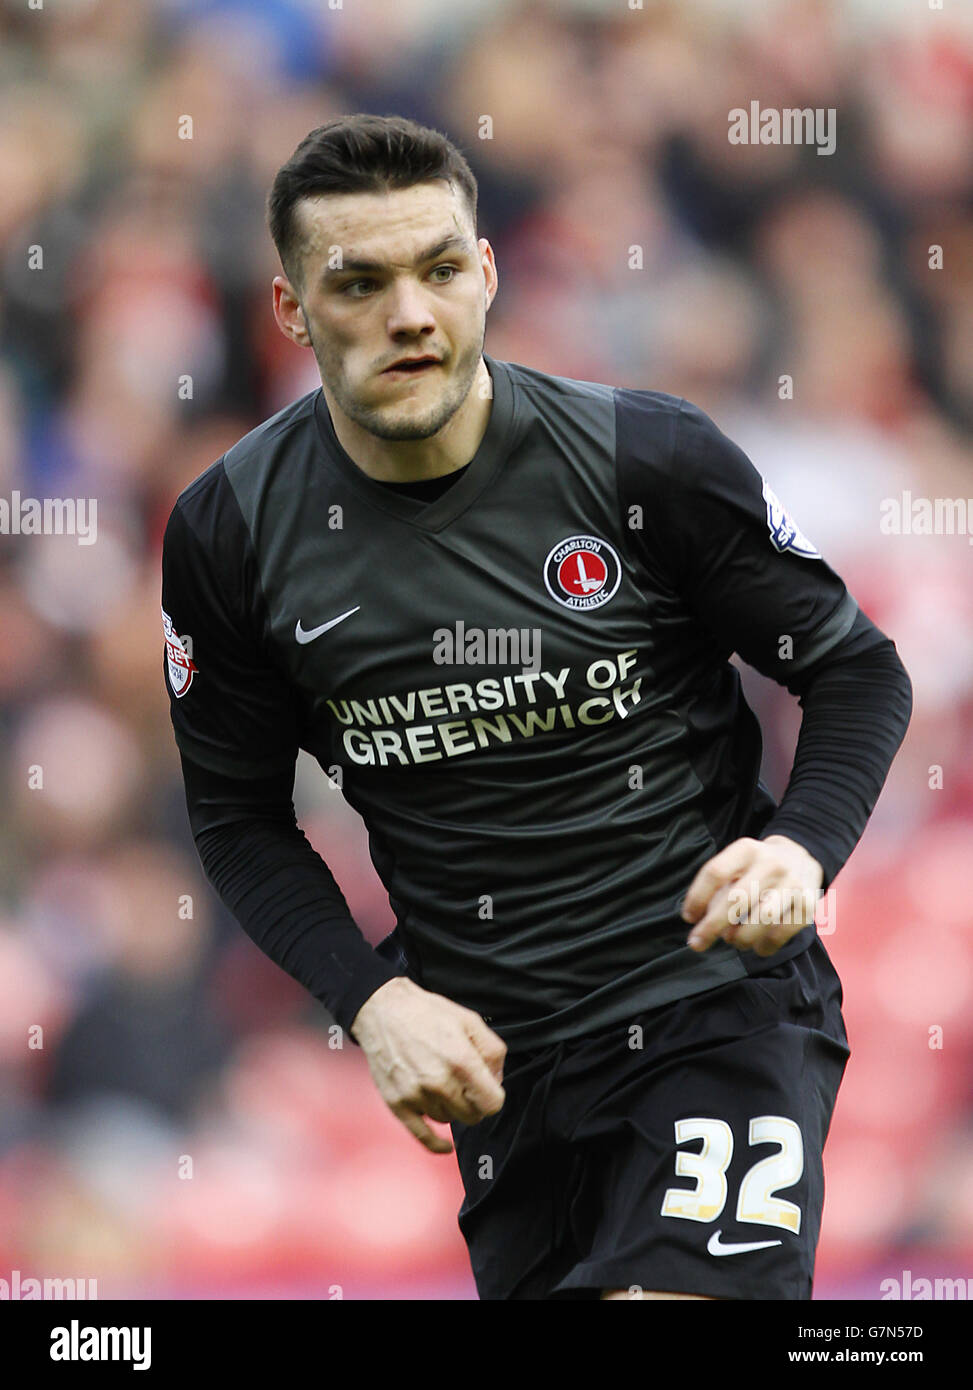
{"x":717,"y":1247}
{"x":303,"y":636}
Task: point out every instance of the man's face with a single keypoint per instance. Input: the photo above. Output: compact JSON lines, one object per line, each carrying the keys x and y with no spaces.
{"x":388,"y":276}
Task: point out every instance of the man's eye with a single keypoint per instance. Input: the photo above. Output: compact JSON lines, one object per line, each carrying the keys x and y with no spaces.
{"x":354,"y":286}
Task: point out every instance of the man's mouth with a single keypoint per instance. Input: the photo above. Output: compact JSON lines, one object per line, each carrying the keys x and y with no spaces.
{"x":411,"y":368}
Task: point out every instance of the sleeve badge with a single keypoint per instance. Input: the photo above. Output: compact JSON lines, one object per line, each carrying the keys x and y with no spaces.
{"x":785,"y":534}
{"x":180,"y":664}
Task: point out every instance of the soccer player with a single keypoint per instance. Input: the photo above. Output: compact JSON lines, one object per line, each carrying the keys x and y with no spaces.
{"x":499,"y":606}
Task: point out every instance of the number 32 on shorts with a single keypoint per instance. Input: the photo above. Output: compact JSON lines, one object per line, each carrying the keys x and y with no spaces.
{"x":756,"y":1200}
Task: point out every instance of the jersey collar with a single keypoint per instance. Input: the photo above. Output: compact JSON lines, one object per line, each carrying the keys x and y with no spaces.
{"x":483,"y":467}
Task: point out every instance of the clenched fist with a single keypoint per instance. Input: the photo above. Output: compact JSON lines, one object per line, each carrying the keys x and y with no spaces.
{"x":430,"y":1056}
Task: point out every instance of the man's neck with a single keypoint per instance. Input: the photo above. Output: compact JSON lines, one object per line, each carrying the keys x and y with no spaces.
{"x":411,"y":460}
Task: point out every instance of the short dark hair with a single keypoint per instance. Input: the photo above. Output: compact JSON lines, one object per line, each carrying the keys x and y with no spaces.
{"x":363,"y":153}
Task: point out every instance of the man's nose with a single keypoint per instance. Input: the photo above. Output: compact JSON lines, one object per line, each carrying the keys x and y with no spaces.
{"x":409,"y":309}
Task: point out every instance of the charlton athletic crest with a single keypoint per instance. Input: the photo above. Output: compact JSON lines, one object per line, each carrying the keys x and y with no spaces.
{"x":582,"y":572}
{"x":181,"y":666}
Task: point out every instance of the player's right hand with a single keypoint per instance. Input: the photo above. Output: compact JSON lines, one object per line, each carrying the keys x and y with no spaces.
{"x":430,"y":1057}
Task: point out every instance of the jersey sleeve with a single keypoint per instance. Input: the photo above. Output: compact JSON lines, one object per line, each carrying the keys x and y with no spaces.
{"x":747,"y":571}
{"x":281,"y":891}
{"x":232,"y":710}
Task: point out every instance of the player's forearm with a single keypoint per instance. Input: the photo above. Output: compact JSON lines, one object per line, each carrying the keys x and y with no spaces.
{"x":285,"y":898}
{"x":855,"y":718}
{"x":280,"y":890}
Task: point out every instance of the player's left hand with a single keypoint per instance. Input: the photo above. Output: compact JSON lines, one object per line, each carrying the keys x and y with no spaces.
{"x":755,"y":894}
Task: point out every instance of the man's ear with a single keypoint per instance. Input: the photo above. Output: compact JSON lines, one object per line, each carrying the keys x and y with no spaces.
{"x":296,"y":327}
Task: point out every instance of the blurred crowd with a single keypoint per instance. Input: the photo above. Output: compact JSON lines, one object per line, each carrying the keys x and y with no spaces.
{"x":174,"y":1113}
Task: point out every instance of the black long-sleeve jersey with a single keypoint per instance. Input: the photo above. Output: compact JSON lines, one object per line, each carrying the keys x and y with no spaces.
{"x":523,"y":684}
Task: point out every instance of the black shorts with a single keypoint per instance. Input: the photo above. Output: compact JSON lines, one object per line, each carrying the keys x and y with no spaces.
{"x":677,"y":1151}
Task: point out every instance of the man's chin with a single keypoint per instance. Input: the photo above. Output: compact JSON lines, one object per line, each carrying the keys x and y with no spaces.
{"x":401,"y":424}
{"x":399,"y":427}
{"x":412,"y":418}
{"x":408,"y":420}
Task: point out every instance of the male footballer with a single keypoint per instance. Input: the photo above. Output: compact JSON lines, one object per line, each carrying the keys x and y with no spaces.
{"x":498,"y":606}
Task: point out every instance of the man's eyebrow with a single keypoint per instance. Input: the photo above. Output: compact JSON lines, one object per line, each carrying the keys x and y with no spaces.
{"x":429,"y":254}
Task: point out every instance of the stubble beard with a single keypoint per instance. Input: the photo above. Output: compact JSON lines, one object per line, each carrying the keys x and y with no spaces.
{"x":380,"y":421}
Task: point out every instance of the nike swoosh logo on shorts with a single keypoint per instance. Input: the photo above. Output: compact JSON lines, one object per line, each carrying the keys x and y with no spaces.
{"x":717,"y":1247}
{"x":303,"y":636}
